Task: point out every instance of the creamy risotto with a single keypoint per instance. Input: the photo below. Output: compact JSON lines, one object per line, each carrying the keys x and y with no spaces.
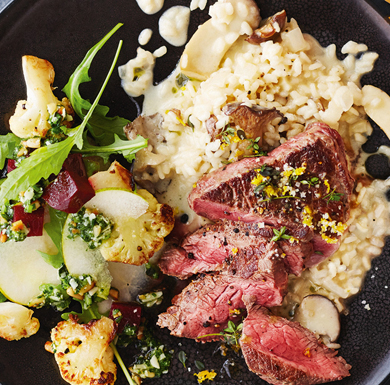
{"x":306,"y":83}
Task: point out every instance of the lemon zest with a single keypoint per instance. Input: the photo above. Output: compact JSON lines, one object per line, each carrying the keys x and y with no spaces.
{"x":205,"y":375}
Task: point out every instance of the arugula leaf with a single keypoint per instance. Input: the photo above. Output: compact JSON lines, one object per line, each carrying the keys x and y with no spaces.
{"x":86,"y":315}
{"x":3,"y":298}
{"x":8,"y":143}
{"x":41,"y":164}
{"x":100,"y":126}
{"x":48,"y":160}
{"x":54,"y":230}
{"x":127,"y":148}
{"x":182,"y":357}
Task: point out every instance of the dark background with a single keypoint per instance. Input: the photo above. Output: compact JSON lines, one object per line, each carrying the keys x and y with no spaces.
{"x":62,"y":32}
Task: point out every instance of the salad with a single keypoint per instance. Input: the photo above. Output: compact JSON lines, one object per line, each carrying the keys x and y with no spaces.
{"x":66,"y":212}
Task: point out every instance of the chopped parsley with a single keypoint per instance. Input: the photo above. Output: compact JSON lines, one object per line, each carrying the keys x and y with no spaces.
{"x":280,"y":234}
{"x":92,"y":227}
{"x":9,"y":230}
{"x":333,"y":196}
{"x":55,"y":296}
{"x":154,"y":359}
{"x":151,"y":299}
{"x":152,"y":270}
{"x":311,"y":182}
{"x":60,"y":296}
{"x":128,"y":334}
{"x":29,"y":196}
{"x":181,"y":80}
{"x":254,"y":145}
{"x":231,"y":335}
{"x":226,"y":134}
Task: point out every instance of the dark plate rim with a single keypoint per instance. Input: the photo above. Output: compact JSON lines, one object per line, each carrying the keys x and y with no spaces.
{"x":382,"y":8}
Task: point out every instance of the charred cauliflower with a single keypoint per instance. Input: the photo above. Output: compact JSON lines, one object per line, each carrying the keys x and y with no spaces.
{"x":82,"y":352}
{"x":135,"y":240}
{"x":16,"y":321}
{"x":31,"y":117}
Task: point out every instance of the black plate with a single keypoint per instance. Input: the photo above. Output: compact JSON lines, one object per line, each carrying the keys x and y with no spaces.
{"x":62,"y":32}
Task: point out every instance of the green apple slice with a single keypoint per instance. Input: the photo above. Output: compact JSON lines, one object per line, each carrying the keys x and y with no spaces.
{"x":79,"y":259}
{"x":118,"y":203}
{"x":23,"y":270}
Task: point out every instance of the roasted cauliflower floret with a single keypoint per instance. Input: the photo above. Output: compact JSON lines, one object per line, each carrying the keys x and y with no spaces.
{"x":82,"y":352}
{"x":31,"y":116}
{"x":16,"y":321}
{"x":134,"y":241}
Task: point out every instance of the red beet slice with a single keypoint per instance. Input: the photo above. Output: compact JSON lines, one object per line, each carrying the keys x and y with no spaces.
{"x":33,"y":221}
{"x":10,"y":165}
{"x":75,"y":165}
{"x":131,"y":314}
{"x":68,"y":192}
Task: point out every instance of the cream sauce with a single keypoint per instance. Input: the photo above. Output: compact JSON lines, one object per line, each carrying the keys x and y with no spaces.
{"x":137,"y":73}
{"x":150,"y":7}
{"x":173,"y":25}
{"x":145,"y":36}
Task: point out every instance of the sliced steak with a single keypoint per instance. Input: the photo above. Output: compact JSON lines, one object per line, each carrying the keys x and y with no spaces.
{"x":282,"y":352}
{"x":303,"y":182}
{"x":207,"y":304}
{"x":208,"y":247}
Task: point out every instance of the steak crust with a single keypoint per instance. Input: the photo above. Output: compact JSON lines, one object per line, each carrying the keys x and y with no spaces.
{"x":232,"y":192}
{"x":282,"y":352}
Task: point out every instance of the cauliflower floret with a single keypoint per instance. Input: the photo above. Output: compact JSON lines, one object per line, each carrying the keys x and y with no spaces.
{"x":134,"y":241}
{"x":16,"y":321}
{"x":31,"y":116}
{"x":82,"y":352}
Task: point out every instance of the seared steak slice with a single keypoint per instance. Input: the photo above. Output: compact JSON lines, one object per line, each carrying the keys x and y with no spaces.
{"x":282,"y":352}
{"x":208,"y":247}
{"x":305,"y":181}
{"x":207,"y":304}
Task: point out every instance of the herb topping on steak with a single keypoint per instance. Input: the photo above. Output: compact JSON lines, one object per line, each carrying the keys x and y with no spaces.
{"x":304,"y":181}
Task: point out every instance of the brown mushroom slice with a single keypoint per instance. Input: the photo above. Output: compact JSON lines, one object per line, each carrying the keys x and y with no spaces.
{"x":211,"y":127}
{"x":148,"y":127}
{"x":318,"y":314}
{"x":269,"y":28}
{"x":252,"y":120}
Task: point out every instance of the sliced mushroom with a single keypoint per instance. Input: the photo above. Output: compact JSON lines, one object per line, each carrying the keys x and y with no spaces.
{"x":211,"y":127}
{"x":376,"y":104}
{"x":318,"y":314}
{"x":148,"y":127}
{"x":269,"y":28}
{"x":252,"y":120}
{"x":200,"y":60}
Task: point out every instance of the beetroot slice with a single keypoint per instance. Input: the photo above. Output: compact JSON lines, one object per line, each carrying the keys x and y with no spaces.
{"x":33,"y":221}
{"x":10,"y":165}
{"x":75,"y":165}
{"x":131,"y":314}
{"x":68,"y":192}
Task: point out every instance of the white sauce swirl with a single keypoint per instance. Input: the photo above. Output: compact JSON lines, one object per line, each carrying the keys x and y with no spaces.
{"x":173,"y":25}
{"x":144,"y":36}
{"x":137,"y":73}
{"x":150,"y":7}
